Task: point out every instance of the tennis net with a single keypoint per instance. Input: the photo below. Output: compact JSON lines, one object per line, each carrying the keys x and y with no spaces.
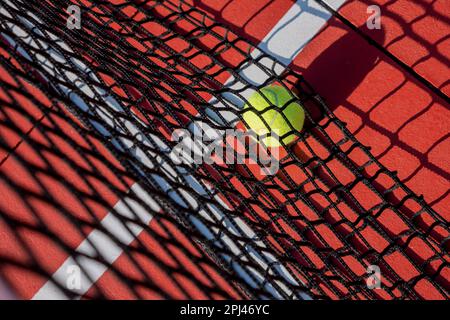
{"x":88,"y":118}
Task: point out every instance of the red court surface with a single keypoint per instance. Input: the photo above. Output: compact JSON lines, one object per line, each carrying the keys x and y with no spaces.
{"x":403,"y":118}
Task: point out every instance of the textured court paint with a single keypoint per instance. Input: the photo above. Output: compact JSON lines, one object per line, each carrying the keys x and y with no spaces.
{"x":251,"y":20}
{"x":416,"y":33}
{"x":367,"y":90}
{"x":404,"y":123}
{"x":94,"y":268}
{"x":320,"y":87}
{"x":100,"y":243}
{"x":349,"y":50}
{"x":385,"y":107}
{"x":8,"y":113}
{"x":49,"y":253}
{"x":174,"y":285}
{"x":5,"y":292}
{"x":288,"y":49}
{"x":304,"y":20}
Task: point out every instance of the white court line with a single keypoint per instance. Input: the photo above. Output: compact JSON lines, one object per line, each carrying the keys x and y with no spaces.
{"x":6,"y":292}
{"x":281,"y":43}
{"x":284,"y":42}
{"x":100,"y":242}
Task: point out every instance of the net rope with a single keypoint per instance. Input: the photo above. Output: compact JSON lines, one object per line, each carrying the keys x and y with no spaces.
{"x":93,"y":112}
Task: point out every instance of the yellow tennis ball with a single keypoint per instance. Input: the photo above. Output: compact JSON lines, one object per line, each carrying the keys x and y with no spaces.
{"x":277,"y":96}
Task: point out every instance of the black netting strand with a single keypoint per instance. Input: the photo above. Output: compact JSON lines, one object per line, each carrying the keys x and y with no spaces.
{"x":91,"y":113}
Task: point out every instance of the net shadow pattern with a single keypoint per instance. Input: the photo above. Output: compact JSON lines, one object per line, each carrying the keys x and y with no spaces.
{"x":115,"y":91}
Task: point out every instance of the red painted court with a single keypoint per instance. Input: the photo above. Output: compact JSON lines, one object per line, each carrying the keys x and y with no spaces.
{"x":389,"y":86}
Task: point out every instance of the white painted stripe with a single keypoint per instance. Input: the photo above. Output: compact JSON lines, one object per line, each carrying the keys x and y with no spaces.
{"x":296,"y":29}
{"x":102,"y":243}
{"x":285,"y":41}
{"x":6,"y":292}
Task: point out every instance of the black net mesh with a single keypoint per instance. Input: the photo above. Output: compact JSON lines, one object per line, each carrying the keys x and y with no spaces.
{"x":91,"y":179}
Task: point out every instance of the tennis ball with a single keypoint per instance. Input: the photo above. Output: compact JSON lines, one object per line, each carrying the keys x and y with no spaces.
{"x":277,"y":96}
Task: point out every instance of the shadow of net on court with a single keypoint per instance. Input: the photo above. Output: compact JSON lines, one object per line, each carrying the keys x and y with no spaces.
{"x":89,"y":178}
